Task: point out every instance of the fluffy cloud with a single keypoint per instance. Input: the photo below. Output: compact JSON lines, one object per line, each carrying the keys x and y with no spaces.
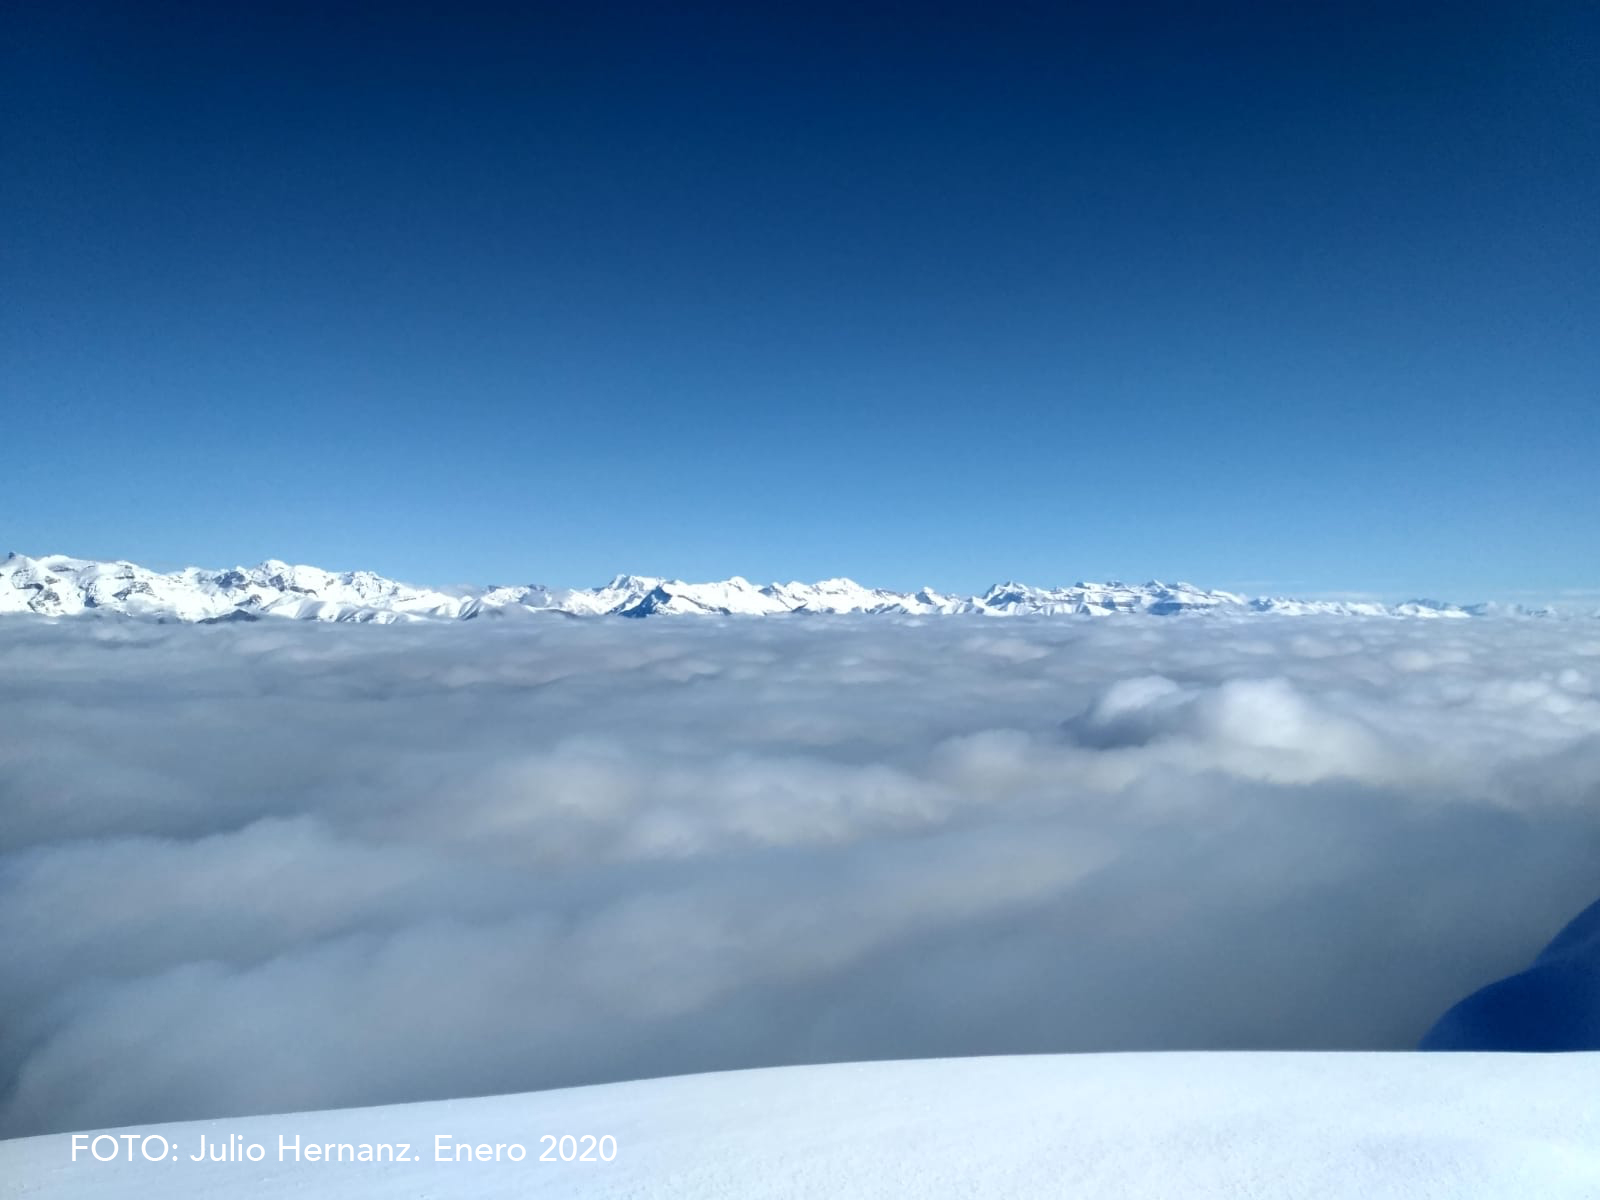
{"x":275,"y":867}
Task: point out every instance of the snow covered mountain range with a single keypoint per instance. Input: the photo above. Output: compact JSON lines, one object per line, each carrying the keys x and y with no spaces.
{"x":59,"y":586}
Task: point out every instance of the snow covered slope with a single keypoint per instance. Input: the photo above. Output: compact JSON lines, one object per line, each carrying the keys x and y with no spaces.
{"x":58,"y":586}
{"x":61,"y":586}
{"x":1116,"y":1127}
{"x":1553,"y":1005}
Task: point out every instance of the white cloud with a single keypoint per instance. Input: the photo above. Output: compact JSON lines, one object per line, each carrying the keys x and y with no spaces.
{"x":267,"y":868}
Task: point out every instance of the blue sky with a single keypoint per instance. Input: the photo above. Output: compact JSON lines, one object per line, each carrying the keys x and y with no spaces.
{"x":1287,"y":298}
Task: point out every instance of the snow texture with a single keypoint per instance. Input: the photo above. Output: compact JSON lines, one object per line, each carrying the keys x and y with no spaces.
{"x":1092,"y":1127}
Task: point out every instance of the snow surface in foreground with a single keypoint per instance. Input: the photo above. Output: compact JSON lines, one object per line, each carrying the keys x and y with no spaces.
{"x":1118,"y":1125}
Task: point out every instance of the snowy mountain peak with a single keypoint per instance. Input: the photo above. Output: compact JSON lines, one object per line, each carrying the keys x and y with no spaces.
{"x":61,"y":586}
{"x":630,"y":583}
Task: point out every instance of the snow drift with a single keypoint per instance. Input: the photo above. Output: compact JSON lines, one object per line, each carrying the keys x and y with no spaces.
{"x":1553,"y":1005}
{"x":1093,"y":1127}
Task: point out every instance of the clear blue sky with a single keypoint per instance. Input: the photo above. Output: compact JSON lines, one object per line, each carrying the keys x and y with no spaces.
{"x":1287,"y":297}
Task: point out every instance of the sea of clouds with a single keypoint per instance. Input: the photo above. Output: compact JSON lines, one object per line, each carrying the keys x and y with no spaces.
{"x":286,"y":866}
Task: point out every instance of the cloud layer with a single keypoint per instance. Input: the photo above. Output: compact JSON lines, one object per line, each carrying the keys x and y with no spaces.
{"x":269,"y":867}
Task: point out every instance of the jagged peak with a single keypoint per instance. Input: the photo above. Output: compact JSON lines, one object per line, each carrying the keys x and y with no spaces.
{"x":619,"y":583}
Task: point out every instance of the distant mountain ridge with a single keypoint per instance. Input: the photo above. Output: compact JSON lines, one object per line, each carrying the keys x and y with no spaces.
{"x":59,"y":586}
